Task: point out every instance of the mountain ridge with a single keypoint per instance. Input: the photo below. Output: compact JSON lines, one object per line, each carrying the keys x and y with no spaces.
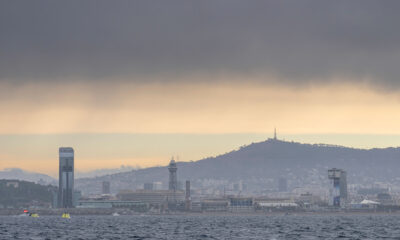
{"x":24,"y":175}
{"x":259,"y":164}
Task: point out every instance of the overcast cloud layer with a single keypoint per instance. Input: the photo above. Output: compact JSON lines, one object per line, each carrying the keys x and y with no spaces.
{"x":296,"y":41}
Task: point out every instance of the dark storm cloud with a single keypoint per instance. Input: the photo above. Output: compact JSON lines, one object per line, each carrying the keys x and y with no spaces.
{"x":299,"y":41}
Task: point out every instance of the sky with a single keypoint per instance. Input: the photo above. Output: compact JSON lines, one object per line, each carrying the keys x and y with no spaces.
{"x":135,"y":82}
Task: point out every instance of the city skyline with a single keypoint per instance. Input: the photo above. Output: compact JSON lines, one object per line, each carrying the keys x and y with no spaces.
{"x":184,"y":119}
{"x":134,"y":83}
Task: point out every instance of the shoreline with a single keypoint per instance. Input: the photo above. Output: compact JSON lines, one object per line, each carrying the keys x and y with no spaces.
{"x":127,"y":212}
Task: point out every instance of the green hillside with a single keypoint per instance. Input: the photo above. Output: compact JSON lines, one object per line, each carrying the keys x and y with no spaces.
{"x":17,"y":194}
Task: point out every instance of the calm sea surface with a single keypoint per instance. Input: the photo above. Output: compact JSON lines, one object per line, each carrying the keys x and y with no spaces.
{"x":201,"y":227}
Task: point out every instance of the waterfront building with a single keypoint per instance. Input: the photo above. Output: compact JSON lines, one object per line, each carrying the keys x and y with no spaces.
{"x":66,"y":177}
{"x":153,"y":197}
{"x":274,"y":204}
{"x":308,"y":200}
{"x":111,"y":204}
{"x":241,"y":204}
{"x":215,"y":205}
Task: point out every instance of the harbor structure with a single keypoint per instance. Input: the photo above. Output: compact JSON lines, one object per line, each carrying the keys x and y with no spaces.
{"x":172,"y":202}
{"x":173,"y":178}
{"x":66,"y":177}
{"x":338,"y":191}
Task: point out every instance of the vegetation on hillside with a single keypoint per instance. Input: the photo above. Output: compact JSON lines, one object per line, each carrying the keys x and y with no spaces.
{"x":18,"y":194}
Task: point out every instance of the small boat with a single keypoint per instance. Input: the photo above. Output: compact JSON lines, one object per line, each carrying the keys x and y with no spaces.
{"x":25,"y":214}
{"x":65,"y":215}
{"x":29,"y":214}
{"x":115,"y":214}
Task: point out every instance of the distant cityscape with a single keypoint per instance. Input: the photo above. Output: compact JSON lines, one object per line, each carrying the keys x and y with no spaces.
{"x":209,"y":195}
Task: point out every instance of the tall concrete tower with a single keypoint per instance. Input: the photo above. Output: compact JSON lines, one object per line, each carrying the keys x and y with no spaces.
{"x":339,"y":187}
{"x":66,"y":177}
{"x":173,"y":179}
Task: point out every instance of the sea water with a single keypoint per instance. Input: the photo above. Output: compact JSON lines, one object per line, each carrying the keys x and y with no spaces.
{"x":201,"y":227}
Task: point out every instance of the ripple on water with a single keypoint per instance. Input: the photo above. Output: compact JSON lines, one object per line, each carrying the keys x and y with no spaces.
{"x":201,"y":227}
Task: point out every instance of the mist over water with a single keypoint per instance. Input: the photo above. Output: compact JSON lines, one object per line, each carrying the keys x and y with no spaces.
{"x":202,"y":227}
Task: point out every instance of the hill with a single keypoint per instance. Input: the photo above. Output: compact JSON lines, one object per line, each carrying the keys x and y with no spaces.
{"x":17,"y":194}
{"x":16,"y":173}
{"x":259,"y":165}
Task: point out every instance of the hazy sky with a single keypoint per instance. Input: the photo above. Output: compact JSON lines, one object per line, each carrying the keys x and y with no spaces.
{"x":134,"y":82}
